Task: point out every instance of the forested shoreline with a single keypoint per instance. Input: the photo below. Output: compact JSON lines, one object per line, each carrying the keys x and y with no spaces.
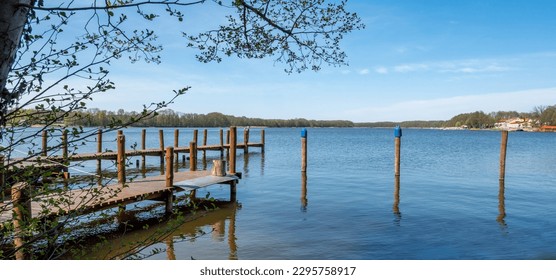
{"x":540,"y":115}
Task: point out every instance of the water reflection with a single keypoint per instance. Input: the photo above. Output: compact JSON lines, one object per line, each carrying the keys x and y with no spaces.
{"x":304,"y":191}
{"x":396,"y":206}
{"x":166,"y":237}
{"x":501,"y":204}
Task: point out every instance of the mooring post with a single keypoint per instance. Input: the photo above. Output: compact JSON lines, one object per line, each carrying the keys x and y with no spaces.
{"x":221,"y":143}
{"x":143,"y":148}
{"x":22,"y":214}
{"x":99,"y":160}
{"x":44,"y":143}
{"x":65,"y":156}
{"x":503,"y":146}
{"x":193,"y":156}
{"x":233,"y":146}
{"x":397,"y":144}
{"x":176,"y":144}
{"x":161,"y":146}
{"x":262,"y":140}
{"x":304,"y":191}
{"x":246,"y":140}
{"x":195,"y":135}
{"x":169,"y":178}
{"x":304,"y":150}
{"x":228,"y":143}
{"x":121,"y":159}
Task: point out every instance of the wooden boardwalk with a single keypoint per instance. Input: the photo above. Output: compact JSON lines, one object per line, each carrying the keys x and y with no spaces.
{"x":88,"y":200}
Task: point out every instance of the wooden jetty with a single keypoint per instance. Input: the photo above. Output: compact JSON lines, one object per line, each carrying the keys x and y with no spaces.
{"x":160,"y":188}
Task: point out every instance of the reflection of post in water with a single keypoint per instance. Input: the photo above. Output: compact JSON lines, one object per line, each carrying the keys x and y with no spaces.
{"x":246,"y":163}
{"x":170,"y":248}
{"x":232,"y":235}
{"x":219,"y":230}
{"x":304,"y":191}
{"x":501,"y":203}
{"x":262,"y":163}
{"x":396,"y":207}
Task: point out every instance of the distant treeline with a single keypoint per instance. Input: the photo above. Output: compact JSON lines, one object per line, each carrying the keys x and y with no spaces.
{"x":170,"y":118}
{"x":541,"y":115}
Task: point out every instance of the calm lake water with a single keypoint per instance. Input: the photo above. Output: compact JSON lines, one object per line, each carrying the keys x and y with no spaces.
{"x":449,"y":203}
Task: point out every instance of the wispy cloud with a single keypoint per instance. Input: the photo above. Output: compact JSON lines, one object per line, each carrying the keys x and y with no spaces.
{"x":364,"y":71}
{"x":461,"y":66}
{"x":381,"y":70}
{"x":445,"y":108}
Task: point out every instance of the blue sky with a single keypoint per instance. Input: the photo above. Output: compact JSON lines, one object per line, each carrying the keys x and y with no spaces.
{"x":416,"y":60}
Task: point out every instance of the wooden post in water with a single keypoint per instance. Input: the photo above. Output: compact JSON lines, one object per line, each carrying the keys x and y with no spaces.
{"x":176,"y":144}
{"x":503,"y":146}
{"x":121,"y":159}
{"x":143,"y":148}
{"x":246,"y":140}
{"x":195,"y":135}
{"x":227,"y":143}
{"x":169,"y":178}
{"x":221,"y":143}
{"x":233,"y":146}
{"x":193,"y":156}
{"x":304,"y":150}
{"x":21,"y":215}
{"x":161,"y":146}
{"x":397,"y":146}
{"x":44,"y":143}
{"x":205,"y":136}
{"x":65,"y":155}
{"x":262,"y":140}
{"x":99,"y":160}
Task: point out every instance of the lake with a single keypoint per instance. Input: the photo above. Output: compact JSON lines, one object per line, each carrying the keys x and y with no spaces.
{"x":448,"y":204}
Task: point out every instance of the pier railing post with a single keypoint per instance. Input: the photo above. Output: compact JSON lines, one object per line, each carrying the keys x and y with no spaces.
{"x":397,"y":146}
{"x":176,"y":144}
{"x":503,"y":147}
{"x":304,"y":150}
{"x":221,"y":143}
{"x":233,"y":146}
{"x":195,"y":135}
{"x":65,"y":154}
{"x":143,"y":148}
{"x":193,"y":156}
{"x":169,"y":178}
{"x":121,"y":159}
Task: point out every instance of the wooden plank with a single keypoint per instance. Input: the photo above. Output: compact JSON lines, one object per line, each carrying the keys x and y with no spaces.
{"x":205,"y":181}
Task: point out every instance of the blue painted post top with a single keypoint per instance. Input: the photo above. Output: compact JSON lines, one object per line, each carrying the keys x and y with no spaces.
{"x":304,"y":133}
{"x":398,"y":132}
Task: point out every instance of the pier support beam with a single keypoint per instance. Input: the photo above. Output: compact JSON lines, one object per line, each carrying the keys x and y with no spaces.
{"x":21,"y":215}
{"x":121,"y":159}
{"x":304,"y":150}
{"x":503,"y":148}
{"x":233,"y":146}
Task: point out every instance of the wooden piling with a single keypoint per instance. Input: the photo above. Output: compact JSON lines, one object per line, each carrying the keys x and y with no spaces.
{"x":143,"y":147}
{"x":169,"y":177}
{"x":121,"y":159}
{"x":221,"y":143}
{"x":304,"y":150}
{"x":304,"y":200}
{"x":44,"y":143}
{"x":246,"y":140}
{"x":99,"y":150}
{"x":176,"y":144}
{"x":65,"y":156}
{"x":262,"y":140}
{"x":21,"y":215}
{"x":503,"y":146}
{"x":193,"y":156}
{"x":161,"y":146}
{"x":233,"y":146}
{"x":195,"y":136}
{"x":397,"y":147}
{"x":205,"y":134}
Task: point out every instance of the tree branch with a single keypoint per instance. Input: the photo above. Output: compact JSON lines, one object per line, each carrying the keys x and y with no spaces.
{"x":107,"y":7}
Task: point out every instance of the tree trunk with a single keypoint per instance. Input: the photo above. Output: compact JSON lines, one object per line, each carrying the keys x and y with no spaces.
{"x":12,"y":21}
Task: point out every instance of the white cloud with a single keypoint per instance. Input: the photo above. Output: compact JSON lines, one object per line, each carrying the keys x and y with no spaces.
{"x":364,"y":71}
{"x":381,"y":70}
{"x":446,"y":108}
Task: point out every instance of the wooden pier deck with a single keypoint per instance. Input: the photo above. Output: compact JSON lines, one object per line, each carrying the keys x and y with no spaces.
{"x":88,"y":200}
